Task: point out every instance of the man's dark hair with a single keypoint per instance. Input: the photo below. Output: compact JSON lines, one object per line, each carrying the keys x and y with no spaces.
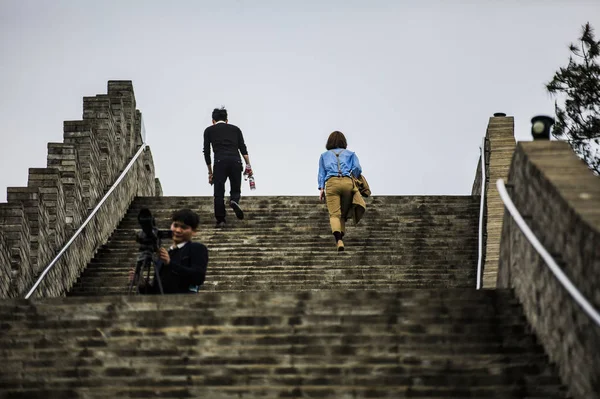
{"x":336,"y":140}
{"x":219,"y":114}
{"x":187,"y":217}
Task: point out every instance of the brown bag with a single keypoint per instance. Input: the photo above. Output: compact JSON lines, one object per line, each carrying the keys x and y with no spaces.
{"x":361,"y":184}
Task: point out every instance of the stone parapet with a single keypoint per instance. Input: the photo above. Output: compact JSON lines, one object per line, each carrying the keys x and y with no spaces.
{"x":40,"y":218}
{"x":102,"y":123}
{"x":63,"y":157}
{"x":499,"y":147}
{"x":4,"y":266}
{"x":47,"y":180}
{"x":37,"y":215}
{"x":158,"y":192}
{"x":559,"y":199}
{"x":138,"y":182}
{"x":14,"y":224}
{"x":79,"y":135}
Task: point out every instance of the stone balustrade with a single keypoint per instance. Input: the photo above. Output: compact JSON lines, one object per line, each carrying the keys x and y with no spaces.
{"x":559,"y":198}
{"x":499,"y":147}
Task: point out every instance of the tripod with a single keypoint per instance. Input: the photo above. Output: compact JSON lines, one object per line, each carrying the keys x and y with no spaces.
{"x":145,"y":259}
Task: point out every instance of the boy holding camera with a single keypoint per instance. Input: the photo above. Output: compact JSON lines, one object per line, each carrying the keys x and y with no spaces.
{"x":182,"y":268}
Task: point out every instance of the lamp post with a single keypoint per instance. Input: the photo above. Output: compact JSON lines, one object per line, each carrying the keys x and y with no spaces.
{"x":540,"y":127}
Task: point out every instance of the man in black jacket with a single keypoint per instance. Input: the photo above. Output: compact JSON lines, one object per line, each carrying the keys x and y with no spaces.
{"x":182,"y":269}
{"x":227,"y":143}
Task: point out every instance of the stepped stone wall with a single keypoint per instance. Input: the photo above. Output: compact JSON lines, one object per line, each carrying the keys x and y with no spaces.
{"x":4,"y":264}
{"x":560,"y":200}
{"x":37,"y":220}
{"x":499,"y":147}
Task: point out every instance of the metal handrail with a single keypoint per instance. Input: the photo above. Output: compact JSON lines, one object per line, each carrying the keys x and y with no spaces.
{"x":481,"y":211}
{"x":85,"y":223}
{"x":562,"y":278}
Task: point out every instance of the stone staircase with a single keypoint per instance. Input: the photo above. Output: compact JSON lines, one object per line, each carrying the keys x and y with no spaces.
{"x":285,"y":243}
{"x":283,"y":315}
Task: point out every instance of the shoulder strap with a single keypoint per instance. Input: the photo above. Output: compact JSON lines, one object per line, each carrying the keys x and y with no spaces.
{"x":337,"y":155}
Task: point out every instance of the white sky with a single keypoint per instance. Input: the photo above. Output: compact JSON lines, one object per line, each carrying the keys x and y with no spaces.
{"x":411,"y":83}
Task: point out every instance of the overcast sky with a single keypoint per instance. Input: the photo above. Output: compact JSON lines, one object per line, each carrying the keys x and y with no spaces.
{"x":411,"y":83}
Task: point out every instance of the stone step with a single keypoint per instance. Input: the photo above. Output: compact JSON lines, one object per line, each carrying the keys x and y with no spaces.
{"x":424,"y":208}
{"x":314,"y":278}
{"x":320,"y":222}
{"x":346,"y":261}
{"x":483,"y":366}
{"x":20,"y":331}
{"x":198,"y":376}
{"x":269,"y":281}
{"x":442,"y":341}
{"x":530,"y":363}
{"x":264,"y":345}
{"x":98,"y":275}
{"x":433,"y":296}
{"x":320,"y":212}
{"x":229,"y":288}
{"x":322,"y":249}
{"x":266,"y":305}
{"x":259,"y":238}
{"x":441,"y":300}
{"x":290,"y":200}
{"x":325,"y":323}
{"x":277,"y":230}
{"x":140,"y":389}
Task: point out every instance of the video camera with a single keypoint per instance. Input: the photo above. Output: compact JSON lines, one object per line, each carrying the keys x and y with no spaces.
{"x":149,"y":239}
{"x":150,"y":236}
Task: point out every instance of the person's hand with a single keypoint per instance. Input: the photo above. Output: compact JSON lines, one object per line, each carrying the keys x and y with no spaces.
{"x":248,"y":170}
{"x":210,"y":179}
{"x":321,"y":195}
{"x":164,"y":256}
{"x":131,"y":274}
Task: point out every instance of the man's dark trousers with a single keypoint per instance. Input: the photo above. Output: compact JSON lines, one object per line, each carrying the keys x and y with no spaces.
{"x":224,"y":168}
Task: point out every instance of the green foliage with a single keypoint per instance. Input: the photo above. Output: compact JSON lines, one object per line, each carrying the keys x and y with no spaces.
{"x":578,"y":87}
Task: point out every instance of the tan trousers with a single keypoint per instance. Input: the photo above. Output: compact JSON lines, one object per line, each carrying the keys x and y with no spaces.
{"x":338,"y":195}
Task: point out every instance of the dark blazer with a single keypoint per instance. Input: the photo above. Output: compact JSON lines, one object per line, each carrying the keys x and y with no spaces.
{"x":187,"y":267}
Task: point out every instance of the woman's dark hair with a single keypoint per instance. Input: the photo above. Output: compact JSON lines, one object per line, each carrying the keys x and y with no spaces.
{"x":219,"y":114}
{"x":187,"y":217}
{"x":336,"y":140}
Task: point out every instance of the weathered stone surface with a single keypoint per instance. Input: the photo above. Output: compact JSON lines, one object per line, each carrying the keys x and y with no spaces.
{"x":40,"y":218}
{"x":88,"y":160}
{"x":413,"y":241}
{"x":157,"y":188}
{"x":63,"y":157}
{"x":427,"y":343}
{"x":137,"y":182}
{"x":14,"y":224}
{"x":47,"y":180}
{"x":37,"y":215}
{"x":560,"y":200}
{"x":499,"y":147}
{"x":5,"y":263}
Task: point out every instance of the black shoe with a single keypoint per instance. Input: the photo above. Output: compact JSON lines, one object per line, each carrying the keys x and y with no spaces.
{"x":220,"y":225}
{"x":236,"y":209}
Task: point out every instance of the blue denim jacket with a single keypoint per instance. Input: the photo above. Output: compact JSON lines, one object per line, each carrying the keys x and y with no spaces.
{"x":328,"y":165}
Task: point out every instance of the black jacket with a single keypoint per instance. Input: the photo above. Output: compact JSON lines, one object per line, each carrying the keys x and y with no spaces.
{"x":227,"y":141}
{"x":187,"y":267}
